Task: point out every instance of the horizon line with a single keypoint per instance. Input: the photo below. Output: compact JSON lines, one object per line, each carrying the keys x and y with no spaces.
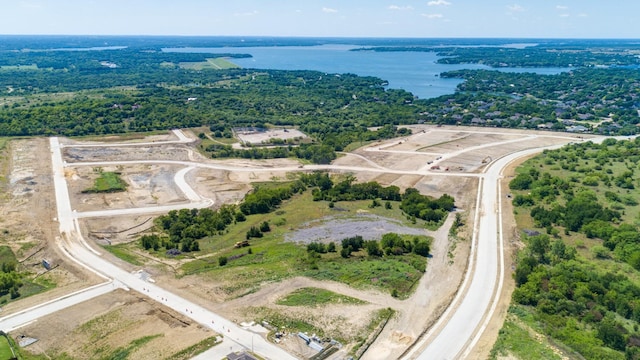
{"x":326,"y":37}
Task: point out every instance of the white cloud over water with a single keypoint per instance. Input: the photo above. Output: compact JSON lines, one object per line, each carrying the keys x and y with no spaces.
{"x":329,"y":10}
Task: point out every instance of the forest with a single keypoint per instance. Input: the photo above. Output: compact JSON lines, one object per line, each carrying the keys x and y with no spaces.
{"x":142,"y":88}
{"x":578,"y":275}
{"x":532,"y":55}
{"x":181,"y":230}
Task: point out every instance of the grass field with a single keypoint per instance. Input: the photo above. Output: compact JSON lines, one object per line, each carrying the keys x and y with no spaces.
{"x":196,"y":349}
{"x":5,"y":349}
{"x":521,"y":341}
{"x":107,"y":182}
{"x":19,"y":67}
{"x":121,"y":252}
{"x":214,"y":63}
{"x":271,"y":259}
{"x":316,"y":297}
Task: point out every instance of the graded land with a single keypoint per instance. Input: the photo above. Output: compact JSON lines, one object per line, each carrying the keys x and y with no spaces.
{"x":246,"y":291}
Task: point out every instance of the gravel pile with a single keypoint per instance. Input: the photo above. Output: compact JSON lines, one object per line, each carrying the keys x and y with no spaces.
{"x":328,"y":229}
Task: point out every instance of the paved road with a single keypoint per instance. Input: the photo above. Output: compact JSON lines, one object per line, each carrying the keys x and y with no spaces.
{"x":452,"y":337}
{"x":81,"y":252}
{"x":27,"y":316}
{"x":462,"y":324}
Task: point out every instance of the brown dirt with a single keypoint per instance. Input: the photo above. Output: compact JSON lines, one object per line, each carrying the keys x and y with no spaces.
{"x":27,"y":217}
{"x":29,"y":199}
{"x":98,"y":327}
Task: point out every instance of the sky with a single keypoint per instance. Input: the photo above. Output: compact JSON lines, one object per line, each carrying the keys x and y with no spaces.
{"x":333,"y":18}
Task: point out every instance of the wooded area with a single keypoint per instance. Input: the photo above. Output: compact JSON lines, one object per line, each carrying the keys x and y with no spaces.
{"x":578,"y":273}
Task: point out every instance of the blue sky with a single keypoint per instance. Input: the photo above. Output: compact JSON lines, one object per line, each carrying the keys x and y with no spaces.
{"x":357,"y":18}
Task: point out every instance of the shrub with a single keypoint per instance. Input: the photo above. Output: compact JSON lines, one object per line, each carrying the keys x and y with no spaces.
{"x":222,"y":260}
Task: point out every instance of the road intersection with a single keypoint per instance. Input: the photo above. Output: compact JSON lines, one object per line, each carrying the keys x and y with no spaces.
{"x":452,"y":337}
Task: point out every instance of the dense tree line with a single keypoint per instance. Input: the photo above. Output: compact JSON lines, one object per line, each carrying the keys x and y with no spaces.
{"x":532,"y":56}
{"x":577,"y":95}
{"x":426,"y":208}
{"x":317,"y":154}
{"x":264,"y":199}
{"x":186,"y":226}
{"x":583,"y":307}
{"x":347,"y":190}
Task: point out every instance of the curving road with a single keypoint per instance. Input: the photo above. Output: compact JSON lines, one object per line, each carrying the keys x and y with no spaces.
{"x":452,"y":337}
{"x":73,"y":243}
{"x":459,"y":329}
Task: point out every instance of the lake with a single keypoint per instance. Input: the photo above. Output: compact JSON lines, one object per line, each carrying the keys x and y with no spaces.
{"x":416,"y":72}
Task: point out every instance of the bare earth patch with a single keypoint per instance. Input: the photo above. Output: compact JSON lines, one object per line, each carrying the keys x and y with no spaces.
{"x":112,"y":321}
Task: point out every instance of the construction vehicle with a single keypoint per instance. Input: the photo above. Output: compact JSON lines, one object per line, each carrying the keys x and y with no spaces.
{"x":241,"y":244}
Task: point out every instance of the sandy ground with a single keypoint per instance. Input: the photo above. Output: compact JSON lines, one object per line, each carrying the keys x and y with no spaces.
{"x":265,"y":137}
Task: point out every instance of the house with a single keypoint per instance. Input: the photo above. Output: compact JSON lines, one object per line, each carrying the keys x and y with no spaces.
{"x":577,"y":129}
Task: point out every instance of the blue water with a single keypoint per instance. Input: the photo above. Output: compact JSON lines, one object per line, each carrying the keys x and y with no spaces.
{"x":416,"y":72}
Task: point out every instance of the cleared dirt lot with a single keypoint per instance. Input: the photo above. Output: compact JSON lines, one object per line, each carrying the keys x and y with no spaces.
{"x":263,"y":137}
{"x":113,"y":321}
{"x":29,"y":199}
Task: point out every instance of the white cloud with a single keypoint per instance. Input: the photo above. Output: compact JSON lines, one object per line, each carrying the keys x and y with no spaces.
{"x":438,"y":2}
{"x":564,"y":15}
{"x":329,"y":10}
{"x":515,"y":8}
{"x":583,"y":15}
{"x":433,"y":16}
{"x":396,"y":7}
{"x":562,"y":7}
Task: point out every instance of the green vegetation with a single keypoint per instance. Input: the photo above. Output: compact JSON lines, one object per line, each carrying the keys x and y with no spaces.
{"x":107,"y":182}
{"x":316,"y":297}
{"x":5,"y":348}
{"x":376,"y":325}
{"x":195,"y":349}
{"x":578,"y":276}
{"x":540,"y":55}
{"x":11,"y":280}
{"x":242,"y":246}
{"x":215,"y":64}
{"x":122,"y":353}
{"x":280,"y":320}
{"x":519,"y":340}
{"x":121,"y":252}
